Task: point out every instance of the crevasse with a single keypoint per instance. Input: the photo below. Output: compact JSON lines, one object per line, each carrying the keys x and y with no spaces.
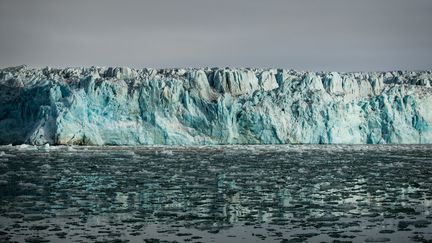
{"x":123,"y":106}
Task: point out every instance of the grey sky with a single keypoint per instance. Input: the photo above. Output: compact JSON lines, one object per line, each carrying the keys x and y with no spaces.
{"x":341,"y":35}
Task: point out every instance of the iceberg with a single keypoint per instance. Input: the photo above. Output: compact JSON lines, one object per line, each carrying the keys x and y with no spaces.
{"x":125,"y":106}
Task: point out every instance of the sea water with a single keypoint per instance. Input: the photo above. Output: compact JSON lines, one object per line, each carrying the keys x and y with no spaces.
{"x":286,"y":193}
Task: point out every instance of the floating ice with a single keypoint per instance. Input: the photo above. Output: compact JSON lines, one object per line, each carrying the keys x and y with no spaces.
{"x":26,"y":147}
{"x":167,"y":152}
{"x":45,"y":167}
{"x":123,"y":106}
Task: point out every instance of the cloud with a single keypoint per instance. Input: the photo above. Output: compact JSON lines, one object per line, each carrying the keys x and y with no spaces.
{"x":340,"y":35}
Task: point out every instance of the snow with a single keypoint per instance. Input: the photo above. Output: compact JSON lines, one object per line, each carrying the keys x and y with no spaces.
{"x":125,"y":106}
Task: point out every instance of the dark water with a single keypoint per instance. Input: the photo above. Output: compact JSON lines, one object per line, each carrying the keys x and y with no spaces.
{"x":216,"y":194}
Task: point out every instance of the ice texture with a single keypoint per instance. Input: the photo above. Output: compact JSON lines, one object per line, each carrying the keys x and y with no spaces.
{"x":124,"y":106}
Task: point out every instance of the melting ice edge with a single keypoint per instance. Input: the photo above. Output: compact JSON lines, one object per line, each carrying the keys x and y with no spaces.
{"x":124,"y":106}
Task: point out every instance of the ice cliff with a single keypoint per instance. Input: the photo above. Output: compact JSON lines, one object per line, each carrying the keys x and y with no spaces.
{"x":123,"y":106}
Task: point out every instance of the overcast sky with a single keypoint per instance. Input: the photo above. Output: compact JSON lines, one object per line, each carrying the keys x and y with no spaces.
{"x":338,"y":35}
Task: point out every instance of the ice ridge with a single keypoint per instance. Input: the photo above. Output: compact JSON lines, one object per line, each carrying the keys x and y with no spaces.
{"x":124,"y":106}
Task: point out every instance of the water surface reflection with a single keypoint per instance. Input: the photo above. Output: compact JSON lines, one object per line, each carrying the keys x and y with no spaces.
{"x":221,"y":194}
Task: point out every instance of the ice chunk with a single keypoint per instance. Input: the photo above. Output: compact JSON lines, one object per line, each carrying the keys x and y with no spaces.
{"x":333,"y":84}
{"x":45,"y":167}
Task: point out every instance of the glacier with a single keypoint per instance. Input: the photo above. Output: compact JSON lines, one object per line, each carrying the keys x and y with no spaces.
{"x":125,"y":106}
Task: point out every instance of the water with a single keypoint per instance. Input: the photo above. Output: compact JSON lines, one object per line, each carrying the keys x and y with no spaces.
{"x":216,"y":194}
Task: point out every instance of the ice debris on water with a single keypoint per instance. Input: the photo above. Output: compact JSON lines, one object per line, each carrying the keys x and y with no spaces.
{"x":124,"y":106}
{"x":26,"y":147}
{"x":45,"y":167}
{"x":167,"y":152}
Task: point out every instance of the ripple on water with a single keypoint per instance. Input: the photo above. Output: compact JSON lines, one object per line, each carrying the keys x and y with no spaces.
{"x":220,"y":193}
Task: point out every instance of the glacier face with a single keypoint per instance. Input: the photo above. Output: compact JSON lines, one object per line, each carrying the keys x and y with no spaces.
{"x":123,"y":106}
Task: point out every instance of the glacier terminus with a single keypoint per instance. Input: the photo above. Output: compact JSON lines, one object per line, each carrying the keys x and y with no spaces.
{"x":125,"y":106}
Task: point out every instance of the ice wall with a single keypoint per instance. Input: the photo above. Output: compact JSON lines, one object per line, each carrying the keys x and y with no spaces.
{"x":123,"y":106}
